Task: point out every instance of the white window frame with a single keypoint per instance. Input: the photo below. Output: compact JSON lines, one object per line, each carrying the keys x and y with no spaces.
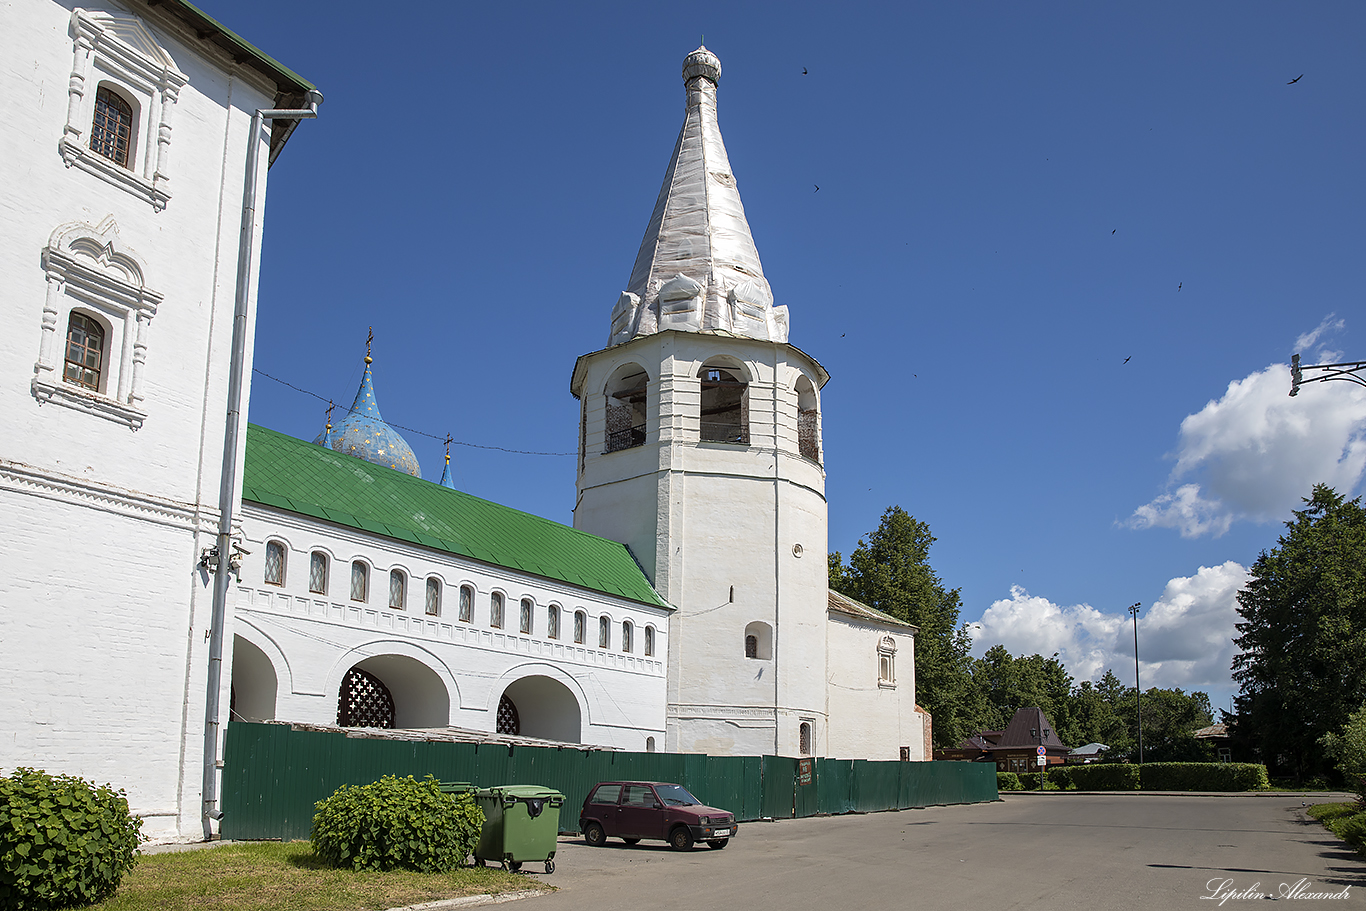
{"x":284,"y":562}
{"x":92,"y":271}
{"x":398,"y":589}
{"x":431,"y":599}
{"x":121,"y":53}
{"x":313,"y":559}
{"x":886,"y":662}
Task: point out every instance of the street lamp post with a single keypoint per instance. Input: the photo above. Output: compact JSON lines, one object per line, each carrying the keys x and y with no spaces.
{"x":1138,"y":690}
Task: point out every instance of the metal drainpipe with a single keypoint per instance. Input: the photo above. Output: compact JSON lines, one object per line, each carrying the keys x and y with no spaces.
{"x":227,"y":487}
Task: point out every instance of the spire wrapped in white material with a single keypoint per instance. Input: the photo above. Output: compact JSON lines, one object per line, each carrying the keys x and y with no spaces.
{"x":698,"y":269}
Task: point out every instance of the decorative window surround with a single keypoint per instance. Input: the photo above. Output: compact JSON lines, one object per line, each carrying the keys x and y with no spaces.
{"x":886,"y":655}
{"x":122,"y":52}
{"x":91,"y":268}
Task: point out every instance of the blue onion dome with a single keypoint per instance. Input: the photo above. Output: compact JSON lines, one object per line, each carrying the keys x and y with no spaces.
{"x":363,"y":433}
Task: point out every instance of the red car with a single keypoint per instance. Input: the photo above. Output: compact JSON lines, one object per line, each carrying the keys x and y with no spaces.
{"x":632,"y":810}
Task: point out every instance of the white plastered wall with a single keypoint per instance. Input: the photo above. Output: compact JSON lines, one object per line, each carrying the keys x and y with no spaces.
{"x":871,"y":718}
{"x":108,"y":499}
{"x":441,"y":662}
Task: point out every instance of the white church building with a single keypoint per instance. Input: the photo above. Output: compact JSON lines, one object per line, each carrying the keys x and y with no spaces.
{"x":685,"y":610}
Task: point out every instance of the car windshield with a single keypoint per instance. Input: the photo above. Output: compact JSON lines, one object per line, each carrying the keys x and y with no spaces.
{"x":675,"y":795}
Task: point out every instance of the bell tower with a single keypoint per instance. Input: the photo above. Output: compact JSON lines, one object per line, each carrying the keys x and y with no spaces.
{"x":699,"y":448}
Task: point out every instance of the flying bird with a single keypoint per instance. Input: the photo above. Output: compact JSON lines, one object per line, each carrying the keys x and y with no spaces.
{"x":1296,"y":79}
{"x":817,"y":186}
{"x":1126,"y":360}
{"x":803,"y":71}
{"x":1178,"y":286}
{"x":1116,"y":229}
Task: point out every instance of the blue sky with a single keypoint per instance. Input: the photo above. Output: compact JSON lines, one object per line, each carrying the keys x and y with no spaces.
{"x":1014,"y":199}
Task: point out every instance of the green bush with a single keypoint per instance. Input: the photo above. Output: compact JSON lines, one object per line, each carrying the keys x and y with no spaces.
{"x":396,"y":823}
{"x":1007,"y":781}
{"x":1104,"y":776}
{"x":1029,"y":781}
{"x":1327,"y":812}
{"x":1351,"y":829}
{"x":63,"y":841}
{"x":1204,"y":776}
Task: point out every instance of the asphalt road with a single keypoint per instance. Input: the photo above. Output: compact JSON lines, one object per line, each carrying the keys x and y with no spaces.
{"x":1092,"y":852}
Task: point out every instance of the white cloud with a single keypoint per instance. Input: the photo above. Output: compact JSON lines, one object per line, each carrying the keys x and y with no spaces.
{"x":1324,"y":355}
{"x":1185,"y":637}
{"x":1255,"y":452}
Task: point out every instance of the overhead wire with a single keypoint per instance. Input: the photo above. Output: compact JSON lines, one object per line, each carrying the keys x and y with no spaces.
{"x":423,"y":433}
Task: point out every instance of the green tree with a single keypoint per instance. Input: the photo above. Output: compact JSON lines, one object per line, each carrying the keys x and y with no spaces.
{"x":1302,"y":664}
{"x":890,"y":570}
{"x":1008,"y":684}
{"x":1348,"y":748}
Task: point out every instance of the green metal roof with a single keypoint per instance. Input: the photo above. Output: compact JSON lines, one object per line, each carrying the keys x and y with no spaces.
{"x":301,"y":477}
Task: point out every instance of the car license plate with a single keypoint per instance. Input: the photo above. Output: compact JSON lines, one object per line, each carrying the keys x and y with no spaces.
{"x":721,"y":833}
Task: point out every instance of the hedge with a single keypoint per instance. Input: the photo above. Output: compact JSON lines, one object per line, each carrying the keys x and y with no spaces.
{"x":1103,"y":776}
{"x":1007,"y":781}
{"x":396,"y":824}
{"x":1204,"y":776}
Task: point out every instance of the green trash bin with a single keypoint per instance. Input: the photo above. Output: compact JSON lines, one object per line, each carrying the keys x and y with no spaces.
{"x":456,"y":787}
{"x":521,"y":824}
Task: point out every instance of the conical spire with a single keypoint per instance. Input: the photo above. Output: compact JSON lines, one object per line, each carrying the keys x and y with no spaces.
{"x":363,"y":433}
{"x":698,"y":269}
{"x":446,"y":472}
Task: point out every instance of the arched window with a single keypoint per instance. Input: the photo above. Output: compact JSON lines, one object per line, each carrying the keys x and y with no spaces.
{"x":604,"y":632}
{"x":626,"y":630}
{"x":508,"y":720}
{"x":649,"y":641}
{"x":759,"y":641}
{"x":467,"y":603}
{"x":580,"y":624}
{"x":724,"y":410}
{"x":360,"y":581}
{"x":649,"y":744}
{"x":84,"y":351}
{"x":496,"y":610}
{"x":808,"y":420}
{"x":398,"y":589}
{"x":626,"y":394}
{"x":552,"y":622}
{"x":112,"y":130}
{"x":804,"y":739}
{"x":317,"y":572}
{"x":364,"y":702}
{"x":275,"y":563}
{"x":433,"y":599}
{"x":524,"y":621}
{"x":886,"y":661}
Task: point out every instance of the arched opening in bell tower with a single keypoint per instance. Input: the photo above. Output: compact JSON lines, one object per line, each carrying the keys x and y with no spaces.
{"x":808,"y":420}
{"x":625,"y":393}
{"x":724,"y":411}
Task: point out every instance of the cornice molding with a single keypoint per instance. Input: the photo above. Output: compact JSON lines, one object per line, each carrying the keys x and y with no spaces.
{"x":18,"y":477}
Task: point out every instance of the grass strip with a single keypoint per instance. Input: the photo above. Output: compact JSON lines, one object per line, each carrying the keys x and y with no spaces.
{"x":270,"y":876}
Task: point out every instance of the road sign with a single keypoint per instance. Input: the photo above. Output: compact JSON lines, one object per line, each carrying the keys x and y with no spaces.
{"x":1042,"y":751}
{"x":1042,"y":760}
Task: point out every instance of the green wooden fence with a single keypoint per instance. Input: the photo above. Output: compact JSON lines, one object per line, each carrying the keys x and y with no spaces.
{"x":273,"y":775}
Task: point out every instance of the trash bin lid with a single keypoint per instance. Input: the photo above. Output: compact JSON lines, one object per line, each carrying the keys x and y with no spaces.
{"x":455,"y":787}
{"x":534,"y":795}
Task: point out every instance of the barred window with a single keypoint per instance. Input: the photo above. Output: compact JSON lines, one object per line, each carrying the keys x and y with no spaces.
{"x":113,"y":126}
{"x":804,"y":739}
{"x":649,"y":641}
{"x":552,"y":622}
{"x":360,"y":581}
{"x":398,"y":589}
{"x":626,"y":631}
{"x":525,"y":624}
{"x":466,"y":604}
{"x":275,"y":563}
{"x":433,"y":596}
{"x":84,"y":352}
{"x":496,"y":610}
{"x":317,"y":572}
{"x":580,"y":624}
{"x":604,"y":632}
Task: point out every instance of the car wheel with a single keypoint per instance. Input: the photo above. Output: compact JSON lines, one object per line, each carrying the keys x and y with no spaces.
{"x":680,"y":839}
{"x":594,"y":835}
{"x":718,"y":843}
{"x":631,"y":841}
